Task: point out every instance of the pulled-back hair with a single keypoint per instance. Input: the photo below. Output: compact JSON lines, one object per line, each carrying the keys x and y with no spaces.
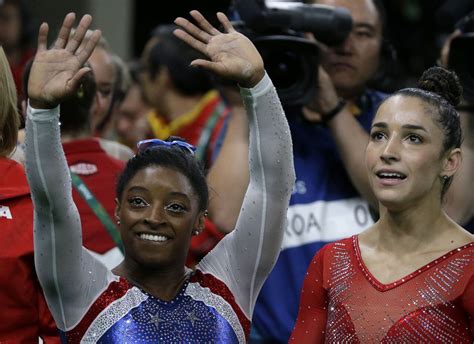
{"x":174,"y":157}
{"x":9,"y":117}
{"x":441,"y":90}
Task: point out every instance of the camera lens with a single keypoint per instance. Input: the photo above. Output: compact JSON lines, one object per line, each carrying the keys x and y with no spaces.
{"x":284,"y":67}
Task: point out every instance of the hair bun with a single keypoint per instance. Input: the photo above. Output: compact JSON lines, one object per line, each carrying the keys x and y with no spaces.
{"x":442,"y":82}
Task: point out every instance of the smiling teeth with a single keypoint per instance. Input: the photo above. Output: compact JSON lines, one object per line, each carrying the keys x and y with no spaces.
{"x":391,"y":175}
{"x":152,"y":237}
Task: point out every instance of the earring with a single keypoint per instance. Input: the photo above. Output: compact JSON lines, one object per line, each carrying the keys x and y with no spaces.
{"x":445,"y":178}
{"x":206,"y":213}
{"x":196,"y":232}
{"x":118,"y":222}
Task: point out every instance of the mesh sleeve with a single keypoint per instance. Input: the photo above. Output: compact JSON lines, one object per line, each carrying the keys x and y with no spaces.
{"x":245,"y":257}
{"x":71,"y":278}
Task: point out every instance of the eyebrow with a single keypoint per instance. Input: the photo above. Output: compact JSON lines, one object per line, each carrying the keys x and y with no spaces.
{"x":363,"y":25}
{"x":143,"y":189}
{"x":405,"y":126}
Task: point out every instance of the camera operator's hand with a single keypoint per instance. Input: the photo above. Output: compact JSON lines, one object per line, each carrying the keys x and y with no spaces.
{"x":231,"y":54}
{"x":325,"y":100}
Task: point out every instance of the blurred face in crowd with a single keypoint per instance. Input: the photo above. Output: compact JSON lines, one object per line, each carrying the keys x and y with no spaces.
{"x":405,"y":157}
{"x":104,"y":73}
{"x":354,"y":62}
{"x":10,"y":26}
{"x":131,"y":117}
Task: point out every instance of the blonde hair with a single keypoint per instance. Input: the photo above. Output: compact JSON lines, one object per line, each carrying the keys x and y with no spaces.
{"x":9,"y":117}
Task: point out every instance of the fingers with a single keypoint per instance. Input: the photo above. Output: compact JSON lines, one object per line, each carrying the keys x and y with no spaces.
{"x":74,"y":81}
{"x":63,"y":35}
{"x":43,"y":37}
{"x":79,"y":34}
{"x":203,"y":23}
{"x":225,"y":22}
{"x":211,"y":66}
{"x":193,"y":42}
{"x":193,"y":29}
{"x":86,"y":52}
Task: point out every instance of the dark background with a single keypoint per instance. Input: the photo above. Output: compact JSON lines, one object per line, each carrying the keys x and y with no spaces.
{"x":417,"y":28}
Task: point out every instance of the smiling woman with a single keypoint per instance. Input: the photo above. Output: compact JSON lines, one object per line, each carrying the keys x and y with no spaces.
{"x":408,"y":278}
{"x":162,"y":197}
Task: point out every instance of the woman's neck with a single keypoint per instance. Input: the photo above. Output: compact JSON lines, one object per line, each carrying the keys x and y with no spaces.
{"x":163,"y":283}
{"x":415,"y":227}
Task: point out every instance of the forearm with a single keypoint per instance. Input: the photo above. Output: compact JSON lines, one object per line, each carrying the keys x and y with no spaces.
{"x":244,"y":258}
{"x":351,"y":140}
{"x":60,"y":261}
{"x":229,"y":174}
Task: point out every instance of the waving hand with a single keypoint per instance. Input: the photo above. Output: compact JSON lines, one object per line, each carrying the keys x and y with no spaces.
{"x":56,"y":72}
{"x":231,"y":54}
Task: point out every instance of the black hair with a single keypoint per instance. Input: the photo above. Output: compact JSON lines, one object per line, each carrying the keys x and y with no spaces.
{"x":176,"y":158}
{"x":441,"y":89}
{"x":172,"y":53}
{"x":75,"y":110}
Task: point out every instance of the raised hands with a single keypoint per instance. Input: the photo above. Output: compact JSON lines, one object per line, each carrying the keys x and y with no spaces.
{"x":56,"y":72}
{"x":231,"y":54}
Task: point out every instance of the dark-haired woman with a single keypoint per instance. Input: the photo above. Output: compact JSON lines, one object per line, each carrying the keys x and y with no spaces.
{"x":161,"y":203}
{"x":410,"y":277}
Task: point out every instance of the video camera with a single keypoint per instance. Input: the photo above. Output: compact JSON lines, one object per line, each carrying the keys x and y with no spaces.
{"x":461,"y":56}
{"x":277,"y":31}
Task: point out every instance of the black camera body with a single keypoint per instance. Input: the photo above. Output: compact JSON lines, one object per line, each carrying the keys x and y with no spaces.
{"x":290,"y":59}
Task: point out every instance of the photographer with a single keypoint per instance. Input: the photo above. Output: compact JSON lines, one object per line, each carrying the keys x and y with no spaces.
{"x":329,"y":140}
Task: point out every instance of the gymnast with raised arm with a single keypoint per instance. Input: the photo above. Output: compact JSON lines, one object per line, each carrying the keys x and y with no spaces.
{"x":162,"y":197}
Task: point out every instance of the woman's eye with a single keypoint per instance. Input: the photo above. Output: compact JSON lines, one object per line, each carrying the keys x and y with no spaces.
{"x":175,"y":208}
{"x":415,"y":139}
{"x":377,"y":136}
{"x":137,"y":202}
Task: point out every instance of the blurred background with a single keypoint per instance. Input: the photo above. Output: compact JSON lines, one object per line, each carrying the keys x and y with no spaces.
{"x":417,"y":28}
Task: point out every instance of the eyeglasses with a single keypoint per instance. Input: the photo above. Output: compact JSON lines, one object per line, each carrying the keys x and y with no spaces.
{"x":144,"y":144}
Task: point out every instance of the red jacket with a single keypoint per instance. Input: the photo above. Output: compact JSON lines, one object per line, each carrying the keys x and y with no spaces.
{"x":24,"y":315}
{"x":99,"y":171}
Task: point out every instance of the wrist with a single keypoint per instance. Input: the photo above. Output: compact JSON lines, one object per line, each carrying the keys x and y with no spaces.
{"x":328,"y":116}
{"x":38,"y":104}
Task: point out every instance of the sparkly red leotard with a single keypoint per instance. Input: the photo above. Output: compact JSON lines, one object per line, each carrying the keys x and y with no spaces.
{"x":341,"y":302}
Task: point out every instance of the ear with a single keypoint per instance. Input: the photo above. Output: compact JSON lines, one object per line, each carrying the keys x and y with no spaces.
{"x":452,"y":162}
{"x":163,"y":78}
{"x":200,"y":222}
{"x":117,"y":209}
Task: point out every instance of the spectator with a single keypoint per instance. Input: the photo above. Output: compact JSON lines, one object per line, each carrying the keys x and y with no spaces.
{"x":24,"y":315}
{"x":16,"y":34}
{"x":131,"y":122}
{"x":460,"y":199}
{"x":186,"y":105}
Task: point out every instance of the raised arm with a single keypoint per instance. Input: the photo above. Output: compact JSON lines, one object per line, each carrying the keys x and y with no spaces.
{"x":70,"y":277}
{"x":244,"y":258}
